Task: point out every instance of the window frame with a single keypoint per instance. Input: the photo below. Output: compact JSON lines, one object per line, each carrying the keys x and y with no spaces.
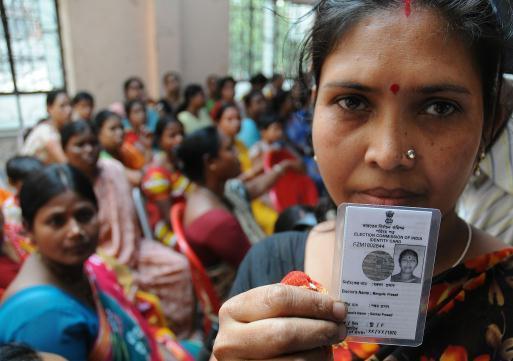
{"x":12,"y":64}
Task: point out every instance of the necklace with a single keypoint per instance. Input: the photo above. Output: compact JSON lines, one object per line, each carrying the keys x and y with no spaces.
{"x":467,"y":246}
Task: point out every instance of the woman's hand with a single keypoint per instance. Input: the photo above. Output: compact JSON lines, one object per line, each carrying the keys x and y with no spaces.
{"x":279,"y":322}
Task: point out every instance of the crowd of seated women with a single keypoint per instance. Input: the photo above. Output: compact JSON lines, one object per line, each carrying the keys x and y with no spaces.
{"x":74,"y":259}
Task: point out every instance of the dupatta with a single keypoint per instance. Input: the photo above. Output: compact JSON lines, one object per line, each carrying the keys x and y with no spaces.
{"x":123,"y":334}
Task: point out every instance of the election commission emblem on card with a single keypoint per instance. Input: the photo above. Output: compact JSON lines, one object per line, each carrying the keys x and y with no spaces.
{"x":383,"y":267}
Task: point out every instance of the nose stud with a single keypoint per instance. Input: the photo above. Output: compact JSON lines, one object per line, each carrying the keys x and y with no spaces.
{"x":410,"y":154}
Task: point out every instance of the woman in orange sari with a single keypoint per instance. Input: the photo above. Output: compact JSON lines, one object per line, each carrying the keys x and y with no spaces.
{"x":407,"y":101}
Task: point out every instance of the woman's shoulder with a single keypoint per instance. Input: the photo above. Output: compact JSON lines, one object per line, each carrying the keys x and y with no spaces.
{"x":34,"y":302}
{"x":270,"y":260}
{"x":40,"y":133}
{"x":48,"y":319}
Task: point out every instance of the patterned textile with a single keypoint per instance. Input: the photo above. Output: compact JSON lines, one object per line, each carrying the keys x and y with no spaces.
{"x":123,"y":333}
{"x":155,"y":268}
{"x":159,"y":183}
{"x":470,"y":316}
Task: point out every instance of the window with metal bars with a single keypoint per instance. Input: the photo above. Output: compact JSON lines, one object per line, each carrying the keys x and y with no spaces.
{"x":265,"y":36}
{"x":30,"y":60}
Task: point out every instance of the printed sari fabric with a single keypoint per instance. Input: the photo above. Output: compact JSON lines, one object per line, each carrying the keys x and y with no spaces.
{"x":156,"y":269}
{"x":159,"y":183}
{"x":123,"y":333}
{"x":470,"y":317}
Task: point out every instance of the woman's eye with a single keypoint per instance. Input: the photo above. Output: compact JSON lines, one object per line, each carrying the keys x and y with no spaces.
{"x":84,"y":215}
{"x":352,"y":103}
{"x":441,"y":109}
{"x":57,"y":220}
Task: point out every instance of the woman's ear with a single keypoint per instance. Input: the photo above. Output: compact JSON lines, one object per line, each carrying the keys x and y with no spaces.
{"x":28,"y":231}
{"x":210,"y":163}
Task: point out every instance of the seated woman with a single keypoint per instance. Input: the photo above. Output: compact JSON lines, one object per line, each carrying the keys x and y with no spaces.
{"x":162,"y":183}
{"x":407,"y":99}
{"x":154,"y":268}
{"x":228,"y":121}
{"x":137,"y":135}
{"x":109,"y":129}
{"x":63,"y":300}
{"x":17,"y":244}
{"x":43,"y":141}
{"x":192,"y":112}
{"x":207,"y":159}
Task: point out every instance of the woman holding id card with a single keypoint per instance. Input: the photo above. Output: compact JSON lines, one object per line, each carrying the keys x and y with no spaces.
{"x":407,"y":102}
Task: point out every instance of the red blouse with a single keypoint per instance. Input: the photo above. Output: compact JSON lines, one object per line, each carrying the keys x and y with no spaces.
{"x":216,"y":237}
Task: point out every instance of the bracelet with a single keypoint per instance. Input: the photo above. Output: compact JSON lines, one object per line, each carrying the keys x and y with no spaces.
{"x":278,"y":168}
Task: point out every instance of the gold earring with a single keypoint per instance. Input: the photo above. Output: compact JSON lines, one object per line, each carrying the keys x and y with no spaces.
{"x":477,"y":169}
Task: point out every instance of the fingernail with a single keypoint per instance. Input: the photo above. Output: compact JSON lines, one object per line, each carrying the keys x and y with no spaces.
{"x":339,"y":310}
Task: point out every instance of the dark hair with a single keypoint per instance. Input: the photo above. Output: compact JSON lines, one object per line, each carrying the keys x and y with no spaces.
{"x":190,"y":92}
{"x":277,"y":76}
{"x":101,"y":118}
{"x":127,"y":82}
{"x":51,"y":97}
{"x":267,"y":119}
{"x":17,"y":352}
{"x":130,"y":104}
{"x":219,"y":109}
{"x":82,"y":96}
{"x":201,"y":144}
{"x":476,"y":21}
{"x":258,"y":79}
{"x":278,"y":100}
{"x":19,"y":167}
{"x":174,"y":74}
{"x":248,"y":98}
{"x":296,"y":218}
{"x":161,"y":126}
{"x":407,"y":252}
{"x":39,"y":188}
{"x":221,"y":83}
{"x":72,"y":129}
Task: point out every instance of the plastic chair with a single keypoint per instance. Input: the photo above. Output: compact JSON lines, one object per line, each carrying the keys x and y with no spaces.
{"x":293,"y":187}
{"x":208,"y":299}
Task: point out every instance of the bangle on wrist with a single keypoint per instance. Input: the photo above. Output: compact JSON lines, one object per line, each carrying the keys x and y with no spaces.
{"x":278,"y":168}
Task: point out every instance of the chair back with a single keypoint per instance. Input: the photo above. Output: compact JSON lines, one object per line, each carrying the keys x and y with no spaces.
{"x":141,"y":213}
{"x":208,"y":299}
{"x":293,"y":187}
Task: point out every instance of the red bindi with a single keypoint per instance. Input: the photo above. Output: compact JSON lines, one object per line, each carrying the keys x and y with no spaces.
{"x":394,"y":88}
{"x":407,"y":7}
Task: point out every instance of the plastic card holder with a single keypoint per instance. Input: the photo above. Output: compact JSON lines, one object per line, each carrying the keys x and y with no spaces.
{"x":383,"y":268}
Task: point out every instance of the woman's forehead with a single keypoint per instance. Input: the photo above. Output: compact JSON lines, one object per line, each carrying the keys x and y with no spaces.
{"x":391,"y":48}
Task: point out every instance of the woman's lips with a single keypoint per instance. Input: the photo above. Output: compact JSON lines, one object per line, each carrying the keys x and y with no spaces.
{"x":388,"y":197}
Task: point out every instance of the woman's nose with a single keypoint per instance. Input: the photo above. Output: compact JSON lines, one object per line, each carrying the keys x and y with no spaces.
{"x":74,"y":229}
{"x":388,"y":143}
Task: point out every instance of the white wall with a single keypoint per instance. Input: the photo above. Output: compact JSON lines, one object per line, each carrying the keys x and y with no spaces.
{"x":106,"y":41}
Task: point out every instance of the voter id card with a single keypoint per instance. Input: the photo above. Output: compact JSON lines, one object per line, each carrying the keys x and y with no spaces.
{"x":383,"y":267}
